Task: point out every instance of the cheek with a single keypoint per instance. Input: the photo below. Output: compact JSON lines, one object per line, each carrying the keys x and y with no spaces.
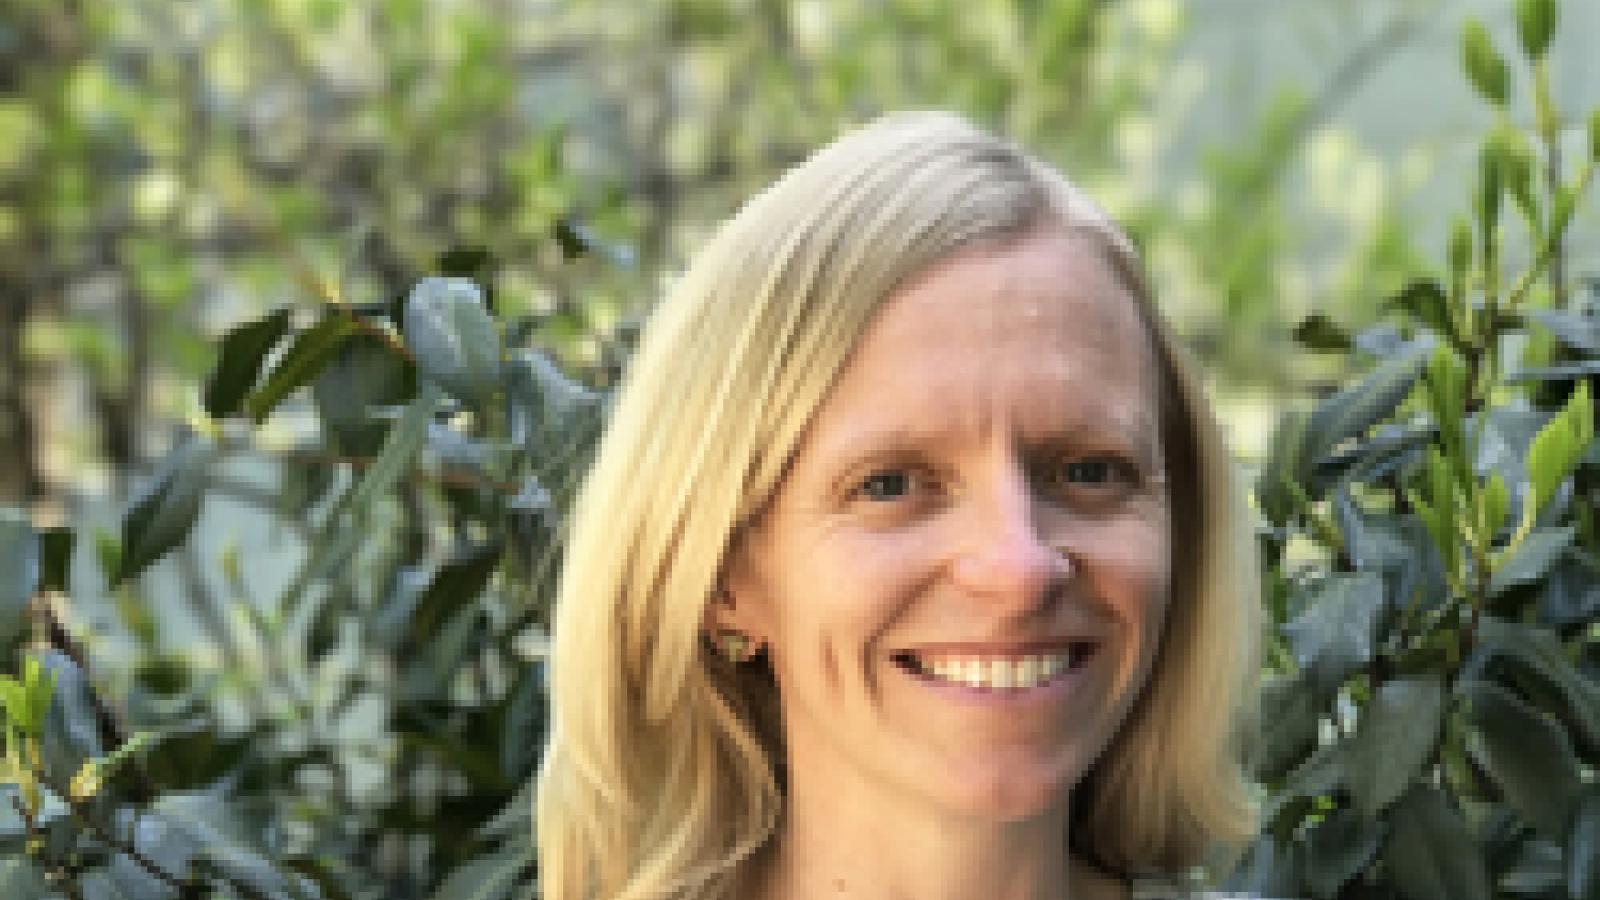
{"x":1130,"y":565}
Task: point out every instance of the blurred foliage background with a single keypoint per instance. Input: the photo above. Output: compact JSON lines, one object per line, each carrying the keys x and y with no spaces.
{"x":170,"y":171}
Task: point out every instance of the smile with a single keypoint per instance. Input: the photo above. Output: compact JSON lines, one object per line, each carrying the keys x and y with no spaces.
{"x":1012,"y":672}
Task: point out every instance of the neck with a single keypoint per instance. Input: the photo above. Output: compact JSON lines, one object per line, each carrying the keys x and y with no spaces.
{"x":840,"y":842}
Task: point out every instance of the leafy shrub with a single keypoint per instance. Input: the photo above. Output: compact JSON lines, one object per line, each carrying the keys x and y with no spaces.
{"x":430,"y":497}
{"x":1432,"y":713}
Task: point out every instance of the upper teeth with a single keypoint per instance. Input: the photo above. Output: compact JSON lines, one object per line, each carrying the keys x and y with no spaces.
{"x":997,"y":672}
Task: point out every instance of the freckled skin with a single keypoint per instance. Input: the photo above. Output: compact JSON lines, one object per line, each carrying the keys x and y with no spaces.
{"x":1003,"y":404}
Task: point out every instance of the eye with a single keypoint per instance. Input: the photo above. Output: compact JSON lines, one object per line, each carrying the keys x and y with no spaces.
{"x":1095,"y":475}
{"x":890,"y":484}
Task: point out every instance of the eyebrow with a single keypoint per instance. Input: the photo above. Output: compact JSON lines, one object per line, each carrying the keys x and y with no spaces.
{"x":1135,"y":434}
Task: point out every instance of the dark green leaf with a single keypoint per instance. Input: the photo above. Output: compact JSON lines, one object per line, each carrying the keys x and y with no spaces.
{"x":1289,"y":724}
{"x":522,"y":731}
{"x":311,"y":350}
{"x":1318,"y":332}
{"x":162,"y":517}
{"x":1571,"y":593}
{"x":1337,"y":848}
{"x":1532,"y":558}
{"x":456,"y":585}
{"x":1538,"y":653}
{"x":1431,"y":854}
{"x":492,"y":877}
{"x":19,"y":573}
{"x":1528,"y":755}
{"x":1425,"y":300}
{"x":1269,"y":869}
{"x":1583,"y":847}
{"x":454,"y":340}
{"x":1534,"y":870}
{"x":366,"y":374}
{"x":21,"y":880}
{"x":1334,"y":632}
{"x":244,"y":350}
{"x":55,"y":546}
{"x":1349,"y":413}
{"x":1396,"y":735}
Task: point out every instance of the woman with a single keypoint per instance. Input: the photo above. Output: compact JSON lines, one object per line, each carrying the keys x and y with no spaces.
{"x":910,"y":564}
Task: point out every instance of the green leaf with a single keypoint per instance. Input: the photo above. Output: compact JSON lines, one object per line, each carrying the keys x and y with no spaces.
{"x":1349,"y":413}
{"x":1485,"y":68}
{"x":55,"y":558}
{"x":1431,"y":854}
{"x":162,"y":517}
{"x":456,"y":585}
{"x":1334,"y":633}
{"x":244,"y":350}
{"x":311,"y":350}
{"x":1594,"y":135}
{"x":1425,"y":300}
{"x":492,"y":877}
{"x":1530,"y":558}
{"x":1289,"y":726}
{"x":1536,"y":25}
{"x":1318,"y":332}
{"x":1528,"y":756}
{"x":1337,"y":848}
{"x":19,"y":573}
{"x":1496,"y":503}
{"x":1491,"y":185}
{"x":1397,"y":733}
{"x":1558,"y":446}
{"x":1460,"y":255}
{"x":1583,"y":847}
{"x":453,"y":338}
{"x":1538,"y":653}
{"x":365,"y":374}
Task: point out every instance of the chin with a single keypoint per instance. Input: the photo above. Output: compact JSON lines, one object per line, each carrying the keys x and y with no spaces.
{"x":1017,"y":792}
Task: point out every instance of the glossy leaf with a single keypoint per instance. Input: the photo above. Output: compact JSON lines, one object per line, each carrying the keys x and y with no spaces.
{"x":310,"y":351}
{"x":1528,"y":755}
{"x":1431,"y":854}
{"x":239,"y":360}
{"x":1532,"y":558}
{"x":1352,"y":411}
{"x":1397,"y":733}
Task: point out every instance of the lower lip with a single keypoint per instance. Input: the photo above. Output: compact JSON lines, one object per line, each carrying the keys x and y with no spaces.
{"x":1058,"y":685}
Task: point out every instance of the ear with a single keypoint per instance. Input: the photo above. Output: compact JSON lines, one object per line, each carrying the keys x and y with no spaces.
{"x":736,"y":604}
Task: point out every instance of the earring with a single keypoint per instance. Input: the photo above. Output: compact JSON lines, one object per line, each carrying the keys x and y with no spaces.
{"x":735,"y":646}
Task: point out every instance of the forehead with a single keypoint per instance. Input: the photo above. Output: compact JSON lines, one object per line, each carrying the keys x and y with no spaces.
{"x":1039,"y":335}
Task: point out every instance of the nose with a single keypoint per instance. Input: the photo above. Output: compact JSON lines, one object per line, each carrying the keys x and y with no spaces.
{"x":1003,"y":553}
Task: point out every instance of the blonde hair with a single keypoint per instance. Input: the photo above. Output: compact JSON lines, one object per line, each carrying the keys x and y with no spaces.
{"x":663,"y":772}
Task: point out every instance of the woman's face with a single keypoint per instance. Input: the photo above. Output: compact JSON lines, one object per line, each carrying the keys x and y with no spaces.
{"x":962,"y":579}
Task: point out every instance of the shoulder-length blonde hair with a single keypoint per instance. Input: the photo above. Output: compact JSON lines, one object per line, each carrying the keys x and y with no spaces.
{"x":664,"y":770}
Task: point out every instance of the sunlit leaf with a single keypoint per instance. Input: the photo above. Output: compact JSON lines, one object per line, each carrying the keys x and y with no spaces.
{"x":453,"y":338}
{"x":310,"y":351}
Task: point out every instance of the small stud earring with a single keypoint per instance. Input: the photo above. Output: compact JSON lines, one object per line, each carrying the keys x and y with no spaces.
{"x":736,"y":646}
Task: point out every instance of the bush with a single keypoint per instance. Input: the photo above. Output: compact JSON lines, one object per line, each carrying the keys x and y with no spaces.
{"x":1432,"y":713}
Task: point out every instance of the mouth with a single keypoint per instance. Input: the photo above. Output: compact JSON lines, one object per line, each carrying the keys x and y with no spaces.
{"x":1018,"y":669}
